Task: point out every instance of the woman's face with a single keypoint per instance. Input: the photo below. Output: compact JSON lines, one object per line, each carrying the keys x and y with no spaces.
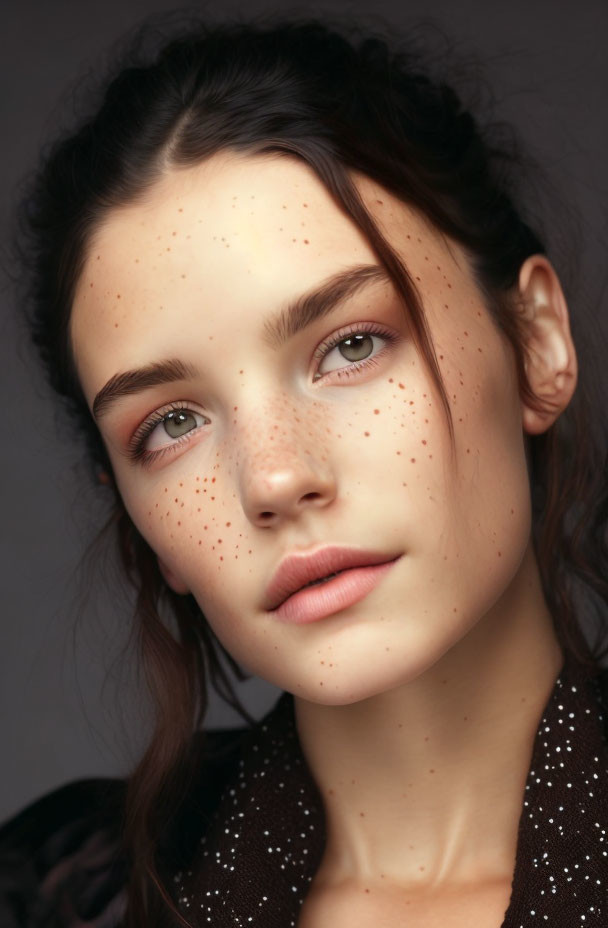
{"x":288,"y":441}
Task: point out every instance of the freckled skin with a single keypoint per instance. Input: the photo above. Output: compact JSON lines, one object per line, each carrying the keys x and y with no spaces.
{"x":307,"y":463}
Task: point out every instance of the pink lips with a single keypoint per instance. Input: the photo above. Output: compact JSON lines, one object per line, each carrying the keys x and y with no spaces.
{"x":358,"y":573}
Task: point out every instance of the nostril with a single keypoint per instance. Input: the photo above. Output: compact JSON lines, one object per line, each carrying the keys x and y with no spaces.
{"x":310,"y":496}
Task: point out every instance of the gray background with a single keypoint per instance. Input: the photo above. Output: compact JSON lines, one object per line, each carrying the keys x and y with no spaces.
{"x":68,"y":706}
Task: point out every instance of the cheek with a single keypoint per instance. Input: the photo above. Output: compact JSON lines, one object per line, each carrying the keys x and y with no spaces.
{"x":489,"y":489}
{"x":189,"y":523}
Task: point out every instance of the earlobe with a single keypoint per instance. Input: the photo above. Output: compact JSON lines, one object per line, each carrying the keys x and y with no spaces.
{"x":551,"y":364}
{"x":172,"y":579}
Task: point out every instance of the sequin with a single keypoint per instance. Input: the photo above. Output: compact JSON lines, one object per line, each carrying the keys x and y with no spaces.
{"x":265,"y":843}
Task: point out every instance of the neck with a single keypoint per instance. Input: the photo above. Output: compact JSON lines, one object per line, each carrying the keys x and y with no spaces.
{"x":424,"y":784}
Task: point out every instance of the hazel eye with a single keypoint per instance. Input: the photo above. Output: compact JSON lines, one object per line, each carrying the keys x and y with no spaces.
{"x":175,"y":424}
{"x":352,"y":349}
{"x":178,"y":423}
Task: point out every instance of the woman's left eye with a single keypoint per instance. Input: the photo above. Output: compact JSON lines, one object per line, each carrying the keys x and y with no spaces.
{"x":357,"y":348}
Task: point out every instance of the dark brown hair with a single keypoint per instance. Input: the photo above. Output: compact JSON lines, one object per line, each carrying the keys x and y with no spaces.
{"x":339,"y":103}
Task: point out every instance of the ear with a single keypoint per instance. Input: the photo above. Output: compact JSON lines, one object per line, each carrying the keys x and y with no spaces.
{"x":551,"y":364}
{"x":172,"y":579}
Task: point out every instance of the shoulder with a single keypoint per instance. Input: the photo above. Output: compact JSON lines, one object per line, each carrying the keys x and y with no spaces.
{"x":60,"y":859}
{"x":62,"y":863}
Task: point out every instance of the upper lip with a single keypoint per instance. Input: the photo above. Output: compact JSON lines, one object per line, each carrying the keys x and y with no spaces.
{"x":296,"y":570}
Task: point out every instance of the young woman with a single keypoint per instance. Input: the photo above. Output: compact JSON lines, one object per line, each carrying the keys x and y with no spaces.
{"x":326,"y":369}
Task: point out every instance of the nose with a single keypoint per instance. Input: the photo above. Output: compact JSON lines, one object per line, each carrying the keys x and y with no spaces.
{"x":282,"y":482}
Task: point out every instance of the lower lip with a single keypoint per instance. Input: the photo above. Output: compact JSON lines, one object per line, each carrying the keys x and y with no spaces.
{"x":318,"y":602}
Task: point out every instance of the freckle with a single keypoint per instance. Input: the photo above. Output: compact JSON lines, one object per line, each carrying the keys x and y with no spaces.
{"x":115,"y":325}
{"x":500,"y":554}
{"x":402,"y":386}
{"x":174,"y":233}
{"x":306,"y":242}
{"x":512,"y":512}
{"x":398,"y":452}
{"x":431,"y":770}
{"x":466,"y":718}
{"x":213,"y":497}
{"x":424,"y":441}
{"x":417,"y":278}
{"x":421,"y":868}
{"x":205,"y":527}
{"x":413,"y":460}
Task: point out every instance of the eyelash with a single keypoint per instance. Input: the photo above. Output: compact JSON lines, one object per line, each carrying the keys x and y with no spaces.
{"x":135,"y":449}
{"x":362,"y":328}
{"x":138,"y":454}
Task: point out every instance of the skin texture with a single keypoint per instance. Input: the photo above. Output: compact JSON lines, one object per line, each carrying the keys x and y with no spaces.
{"x":444,"y":668}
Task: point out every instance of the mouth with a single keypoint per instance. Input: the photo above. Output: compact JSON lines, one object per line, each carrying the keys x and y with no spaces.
{"x":320,"y":581}
{"x":302,"y":571}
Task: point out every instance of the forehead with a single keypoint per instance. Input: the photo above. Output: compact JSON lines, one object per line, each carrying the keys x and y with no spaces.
{"x":220,"y":246}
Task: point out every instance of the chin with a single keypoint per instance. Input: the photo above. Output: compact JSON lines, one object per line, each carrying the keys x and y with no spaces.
{"x":356,"y":687}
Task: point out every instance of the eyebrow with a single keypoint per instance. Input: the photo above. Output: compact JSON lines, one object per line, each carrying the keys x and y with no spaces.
{"x":296,"y":316}
{"x":314,"y":304}
{"x":142,"y":378}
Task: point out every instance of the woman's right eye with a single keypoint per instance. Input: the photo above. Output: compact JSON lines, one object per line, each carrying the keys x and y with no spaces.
{"x":173,"y":424}
{"x":164,"y":432}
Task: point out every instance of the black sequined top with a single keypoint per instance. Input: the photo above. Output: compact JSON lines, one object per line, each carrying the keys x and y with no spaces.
{"x":252,"y":831}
